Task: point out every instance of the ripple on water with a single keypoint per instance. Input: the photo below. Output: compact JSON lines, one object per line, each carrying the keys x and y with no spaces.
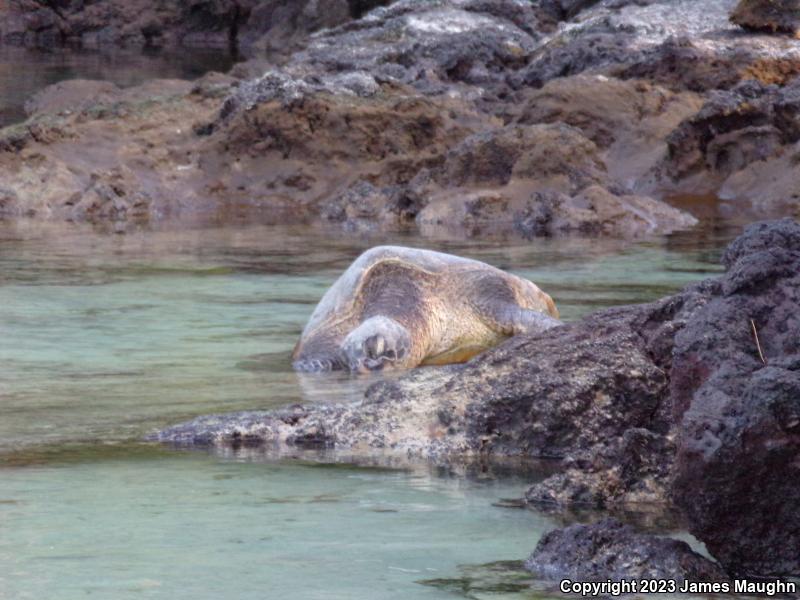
{"x":205,"y":525}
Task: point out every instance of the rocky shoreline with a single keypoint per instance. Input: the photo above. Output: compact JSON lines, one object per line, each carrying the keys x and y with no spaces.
{"x":690,"y":401}
{"x":475,"y":117}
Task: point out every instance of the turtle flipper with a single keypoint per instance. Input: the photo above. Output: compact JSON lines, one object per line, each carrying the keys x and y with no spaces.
{"x":512,"y":319}
{"x":533,"y":321}
{"x":377,"y":343}
{"x":316,"y":365}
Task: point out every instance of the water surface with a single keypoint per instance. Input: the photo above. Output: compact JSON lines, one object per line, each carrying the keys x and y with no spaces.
{"x":192,"y":526}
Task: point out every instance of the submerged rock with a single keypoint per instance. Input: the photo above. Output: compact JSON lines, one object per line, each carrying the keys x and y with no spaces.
{"x":487,"y":580}
{"x":610,"y":550}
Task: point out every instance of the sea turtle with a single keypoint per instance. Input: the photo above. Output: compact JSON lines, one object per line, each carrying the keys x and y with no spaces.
{"x":401,"y":307}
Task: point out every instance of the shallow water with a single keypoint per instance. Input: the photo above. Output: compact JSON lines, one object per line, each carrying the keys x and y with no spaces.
{"x":104,"y":338}
{"x":194,"y":526}
{"x":24,"y":71}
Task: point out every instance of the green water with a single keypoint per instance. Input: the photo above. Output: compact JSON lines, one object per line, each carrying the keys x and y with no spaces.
{"x":104,"y":338}
{"x":202,"y":527}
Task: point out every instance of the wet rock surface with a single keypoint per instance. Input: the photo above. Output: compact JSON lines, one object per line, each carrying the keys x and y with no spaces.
{"x":543,"y":179}
{"x":71,"y":95}
{"x":661,"y":402}
{"x":610,"y":550}
{"x":105,"y":162}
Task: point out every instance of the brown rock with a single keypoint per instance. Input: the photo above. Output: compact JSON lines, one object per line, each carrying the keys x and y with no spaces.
{"x":741,"y":143}
{"x":129,"y":158}
{"x":340,"y":146}
{"x":769,"y":16}
{"x":331,"y":139}
{"x":542,"y":179}
{"x":632,"y":135}
{"x":284,"y":154}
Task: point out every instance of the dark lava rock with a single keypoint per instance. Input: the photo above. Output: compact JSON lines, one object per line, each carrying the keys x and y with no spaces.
{"x":737,"y":471}
{"x":610,"y":550}
{"x":748,"y":123}
{"x":703,"y":65}
{"x":588,"y":52}
{"x":276,"y":25}
{"x":770,"y":16}
{"x":612,"y":35}
{"x":430,"y":44}
{"x":680,"y":44}
{"x":734,"y":418}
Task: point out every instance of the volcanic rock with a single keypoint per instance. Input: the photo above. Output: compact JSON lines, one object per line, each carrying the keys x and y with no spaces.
{"x":610,"y":550}
{"x":770,"y":16}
